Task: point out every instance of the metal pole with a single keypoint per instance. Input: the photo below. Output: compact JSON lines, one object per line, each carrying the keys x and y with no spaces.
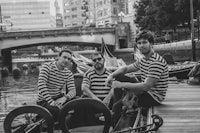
{"x":1,"y":29}
{"x":198,"y":23}
{"x":192,"y":32}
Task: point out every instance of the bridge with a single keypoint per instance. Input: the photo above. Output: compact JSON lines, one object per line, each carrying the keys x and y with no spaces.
{"x":88,"y":36}
{"x":85,"y":36}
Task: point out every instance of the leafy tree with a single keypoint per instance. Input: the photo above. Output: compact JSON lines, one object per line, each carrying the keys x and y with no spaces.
{"x":157,"y":15}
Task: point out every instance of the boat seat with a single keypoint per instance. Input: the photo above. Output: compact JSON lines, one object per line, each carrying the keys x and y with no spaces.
{"x":78,"y":82}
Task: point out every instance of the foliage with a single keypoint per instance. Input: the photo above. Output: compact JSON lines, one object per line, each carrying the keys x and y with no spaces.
{"x":157,"y":15}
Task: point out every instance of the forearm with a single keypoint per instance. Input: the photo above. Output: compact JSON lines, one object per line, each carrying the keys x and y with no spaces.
{"x":43,"y":90}
{"x":71,"y":94}
{"x":89,"y":93}
{"x":119,"y":71}
{"x":137,"y":88}
{"x":109,"y":96}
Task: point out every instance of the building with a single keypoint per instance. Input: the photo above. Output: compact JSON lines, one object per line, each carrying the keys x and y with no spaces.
{"x":59,"y":18}
{"x":26,"y":15}
{"x":90,"y":12}
{"x":75,"y":12}
{"x":130,"y":17}
{"x":107,"y":12}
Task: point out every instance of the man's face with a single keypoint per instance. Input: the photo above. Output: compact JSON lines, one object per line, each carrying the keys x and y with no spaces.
{"x":98,"y":62}
{"x":144,"y":46}
{"x":65,"y":59}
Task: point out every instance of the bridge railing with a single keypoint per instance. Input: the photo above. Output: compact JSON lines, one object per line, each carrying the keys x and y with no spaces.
{"x":56,"y":32}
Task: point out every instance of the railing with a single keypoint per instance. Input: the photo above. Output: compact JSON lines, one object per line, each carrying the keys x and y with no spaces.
{"x":56,"y":32}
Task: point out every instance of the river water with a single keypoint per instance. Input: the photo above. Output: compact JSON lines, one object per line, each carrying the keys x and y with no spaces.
{"x":15,"y":94}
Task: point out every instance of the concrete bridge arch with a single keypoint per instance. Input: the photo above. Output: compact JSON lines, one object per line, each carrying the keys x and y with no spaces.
{"x":21,"y":39}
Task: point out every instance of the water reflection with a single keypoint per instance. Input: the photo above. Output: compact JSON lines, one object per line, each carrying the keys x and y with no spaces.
{"x":17,"y":93}
{"x":12,"y":100}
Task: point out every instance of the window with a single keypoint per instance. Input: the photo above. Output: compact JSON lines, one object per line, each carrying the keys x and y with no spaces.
{"x":99,"y":4}
{"x":58,"y":17}
{"x":105,"y":12}
{"x":66,"y":4}
{"x":66,"y":11}
{"x":99,"y":13}
{"x":74,"y":16}
{"x":67,"y":17}
{"x":115,"y":11}
{"x":74,"y":9}
{"x":74,"y":24}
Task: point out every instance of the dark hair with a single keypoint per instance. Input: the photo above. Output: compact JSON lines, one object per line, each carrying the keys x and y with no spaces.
{"x":95,"y":54}
{"x":145,"y":35}
{"x":65,"y":50}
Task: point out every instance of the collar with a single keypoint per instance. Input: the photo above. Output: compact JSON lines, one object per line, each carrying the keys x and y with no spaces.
{"x":149,"y":55}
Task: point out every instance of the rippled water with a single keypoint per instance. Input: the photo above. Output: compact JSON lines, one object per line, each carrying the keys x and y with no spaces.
{"x":17,"y":93}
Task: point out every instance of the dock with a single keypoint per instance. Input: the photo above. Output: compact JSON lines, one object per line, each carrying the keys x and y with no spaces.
{"x":181,"y":109}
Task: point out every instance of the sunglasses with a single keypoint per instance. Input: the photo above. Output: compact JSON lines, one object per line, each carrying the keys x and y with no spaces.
{"x":97,"y":59}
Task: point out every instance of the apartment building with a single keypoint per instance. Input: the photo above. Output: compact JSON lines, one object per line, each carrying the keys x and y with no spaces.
{"x":26,"y":15}
{"x":59,"y":18}
{"x":74,"y":12}
{"x":107,"y":12}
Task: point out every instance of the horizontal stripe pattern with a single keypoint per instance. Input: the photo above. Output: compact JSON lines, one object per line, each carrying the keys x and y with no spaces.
{"x":96,"y":82}
{"x":51,"y":81}
{"x":155,"y":67}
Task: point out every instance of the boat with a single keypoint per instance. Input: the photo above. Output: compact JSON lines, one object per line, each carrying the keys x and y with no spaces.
{"x":73,"y":118}
{"x":36,"y":119}
{"x":181,"y":70}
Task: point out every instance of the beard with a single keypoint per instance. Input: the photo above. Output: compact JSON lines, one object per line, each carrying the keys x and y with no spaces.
{"x":98,"y":66}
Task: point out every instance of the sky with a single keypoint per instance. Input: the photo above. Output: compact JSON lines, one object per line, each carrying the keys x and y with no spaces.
{"x":52,"y":10}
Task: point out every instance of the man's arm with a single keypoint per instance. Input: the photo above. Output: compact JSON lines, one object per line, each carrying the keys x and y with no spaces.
{"x":86,"y":90}
{"x":71,"y":87}
{"x":137,"y":88}
{"x":123,"y":70}
{"x":107,"y":99}
{"x":71,"y":92}
{"x":42,"y":83}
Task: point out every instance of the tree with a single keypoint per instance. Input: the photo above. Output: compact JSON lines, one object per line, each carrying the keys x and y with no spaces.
{"x":157,"y":15}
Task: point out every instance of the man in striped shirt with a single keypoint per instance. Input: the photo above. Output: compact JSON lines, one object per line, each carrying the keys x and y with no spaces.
{"x":94,"y":79}
{"x":52,"y":79}
{"x":154,"y":73}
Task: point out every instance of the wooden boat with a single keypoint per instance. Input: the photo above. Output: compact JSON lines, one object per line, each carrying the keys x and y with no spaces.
{"x":181,"y":70}
{"x":36,"y":119}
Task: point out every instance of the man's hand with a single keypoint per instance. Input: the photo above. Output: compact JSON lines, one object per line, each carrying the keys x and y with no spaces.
{"x":109,"y":80}
{"x":60,"y":101}
{"x":117,"y":84}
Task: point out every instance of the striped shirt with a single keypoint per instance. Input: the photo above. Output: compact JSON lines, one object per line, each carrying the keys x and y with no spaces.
{"x":155,"y":67}
{"x":51,"y":81}
{"x":96,"y":82}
